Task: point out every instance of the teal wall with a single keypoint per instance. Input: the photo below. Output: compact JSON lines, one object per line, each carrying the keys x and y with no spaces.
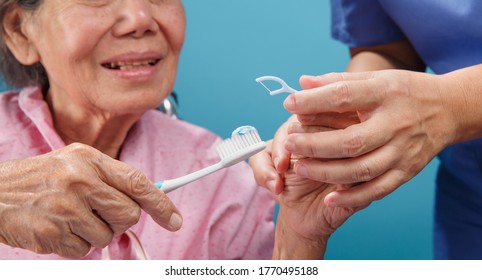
{"x":3,"y":87}
{"x":229,"y":44}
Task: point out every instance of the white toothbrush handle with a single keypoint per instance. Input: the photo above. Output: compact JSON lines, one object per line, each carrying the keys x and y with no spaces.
{"x":172,"y":184}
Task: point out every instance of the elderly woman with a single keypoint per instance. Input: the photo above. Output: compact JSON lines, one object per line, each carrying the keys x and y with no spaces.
{"x":82,"y":143}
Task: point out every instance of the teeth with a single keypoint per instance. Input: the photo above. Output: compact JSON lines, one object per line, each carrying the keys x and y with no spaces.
{"x":121,"y":65}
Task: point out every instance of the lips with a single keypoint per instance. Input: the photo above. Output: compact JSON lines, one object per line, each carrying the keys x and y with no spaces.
{"x":130,"y":65}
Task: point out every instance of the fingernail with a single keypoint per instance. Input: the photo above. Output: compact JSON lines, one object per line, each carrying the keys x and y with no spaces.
{"x":276,"y":162}
{"x":290,"y":102}
{"x":295,"y":128}
{"x":290,"y":145}
{"x":271,"y":184}
{"x":301,"y":170}
{"x":176,"y":221}
{"x":330,"y":200}
{"x":306,"y":119}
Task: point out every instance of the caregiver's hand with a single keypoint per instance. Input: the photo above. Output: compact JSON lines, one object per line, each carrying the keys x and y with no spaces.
{"x":279,"y":157}
{"x":68,"y":200}
{"x":403,"y":119}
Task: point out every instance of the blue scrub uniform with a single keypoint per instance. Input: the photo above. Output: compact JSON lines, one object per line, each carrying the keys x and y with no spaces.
{"x":447,"y":35}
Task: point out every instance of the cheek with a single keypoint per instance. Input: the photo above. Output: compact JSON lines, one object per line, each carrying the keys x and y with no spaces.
{"x":66,"y":42}
{"x":175,"y":26}
{"x":79,"y":38}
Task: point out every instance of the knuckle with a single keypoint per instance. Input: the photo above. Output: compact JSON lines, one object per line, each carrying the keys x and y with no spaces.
{"x":312,"y":150}
{"x":81,"y":149}
{"x":378,"y":192}
{"x":325,"y":176}
{"x":133,"y":215}
{"x":335,"y":76}
{"x":304,"y":119}
{"x":68,"y":162}
{"x":71,"y":246}
{"x":47,"y":232}
{"x":137,"y":183}
{"x":40,"y":249}
{"x":45,"y":236}
{"x":106,"y":239}
{"x":77,"y":147}
{"x":83,"y":249}
{"x":77,"y":250}
{"x":307,"y":145}
{"x":342,"y":95}
{"x":353,"y":144}
{"x":363,"y":172}
{"x":400,"y":177}
{"x":164,"y":207}
{"x":322,"y":175}
{"x":85,"y":154}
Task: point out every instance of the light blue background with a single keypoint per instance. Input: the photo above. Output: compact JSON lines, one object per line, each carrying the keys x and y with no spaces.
{"x":229,"y":44}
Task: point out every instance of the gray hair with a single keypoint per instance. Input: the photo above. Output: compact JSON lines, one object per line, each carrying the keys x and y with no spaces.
{"x":13,"y":72}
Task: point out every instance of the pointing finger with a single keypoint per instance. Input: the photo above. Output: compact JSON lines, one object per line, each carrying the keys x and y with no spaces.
{"x":338,"y":97}
{"x":139,"y":188}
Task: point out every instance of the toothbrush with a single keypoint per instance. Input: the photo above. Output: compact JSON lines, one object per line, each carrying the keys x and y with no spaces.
{"x":244,"y":143}
{"x":284,"y":86}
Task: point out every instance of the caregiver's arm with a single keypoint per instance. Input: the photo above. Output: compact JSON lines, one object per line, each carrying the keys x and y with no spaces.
{"x":406,"y":118}
{"x":399,"y":54}
{"x":395,"y":55}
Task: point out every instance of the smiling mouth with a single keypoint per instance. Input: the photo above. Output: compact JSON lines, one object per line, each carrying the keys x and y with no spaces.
{"x":122,"y":65}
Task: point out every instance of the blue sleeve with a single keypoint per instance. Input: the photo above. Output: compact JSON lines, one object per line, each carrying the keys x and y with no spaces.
{"x":359,"y":23}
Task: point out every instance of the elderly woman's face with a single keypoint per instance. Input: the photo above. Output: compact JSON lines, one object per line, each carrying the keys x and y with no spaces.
{"x":112,"y":55}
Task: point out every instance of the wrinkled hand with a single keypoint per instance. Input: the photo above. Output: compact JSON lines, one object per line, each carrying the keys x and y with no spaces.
{"x":70,"y":199}
{"x":304,"y":223}
{"x":280,"y":157}
{"x":268,"y":164}
{"x":303,"y":211}
{"x":391,"y":124}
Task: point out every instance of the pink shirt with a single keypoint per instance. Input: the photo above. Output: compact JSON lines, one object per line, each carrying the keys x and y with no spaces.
{"x":226,"y":215}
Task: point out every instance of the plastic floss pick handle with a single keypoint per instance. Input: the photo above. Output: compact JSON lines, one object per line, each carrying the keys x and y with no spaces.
{"x":284,"y":86}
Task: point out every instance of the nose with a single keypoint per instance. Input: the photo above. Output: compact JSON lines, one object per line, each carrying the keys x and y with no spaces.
{"x":135,"y":19}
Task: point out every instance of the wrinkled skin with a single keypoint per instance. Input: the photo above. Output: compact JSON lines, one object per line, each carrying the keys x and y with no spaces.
{"x":303,"y":209}
{"x":68,"y":200}
{"x":305,"y":222}
{"x":108,"y":62}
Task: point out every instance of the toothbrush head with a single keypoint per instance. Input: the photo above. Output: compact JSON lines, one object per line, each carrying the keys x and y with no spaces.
{"x":284,"y":86}
{"x":244,"y":143}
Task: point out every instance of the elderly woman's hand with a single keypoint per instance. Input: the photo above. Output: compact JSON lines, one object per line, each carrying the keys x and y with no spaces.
{"x":268,"y":164}
{"x":304,"y":222}
{"x":70,"y":199}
